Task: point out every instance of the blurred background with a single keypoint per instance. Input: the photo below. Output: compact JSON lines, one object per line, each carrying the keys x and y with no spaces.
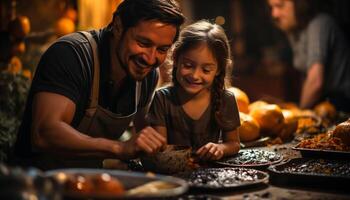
{"x":262,"y":57}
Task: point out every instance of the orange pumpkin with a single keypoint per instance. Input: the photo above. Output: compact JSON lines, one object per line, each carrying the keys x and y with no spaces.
{"x":270,"y":118}
{"x":290,"y":125}
{"x":249,"y":129}
{"x":256,"y":104}
{"x":241,"y":98}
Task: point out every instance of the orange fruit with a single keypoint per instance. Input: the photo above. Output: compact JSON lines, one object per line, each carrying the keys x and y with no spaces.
{"x":19,"y":48}
{"x":249,"y":129}
{"x":241,"y":98}
{"x":71,"y":14}
{"x":270,"y":118}
{"x":326,"y":110}
{"x":64,"y":26}
{"x":19,"y":27}
{"x":27,"y":73}
{"x":256,"y":104}
{"x":15,"y":65}
{"x":290,"y":125}
{"x":291,"y":106}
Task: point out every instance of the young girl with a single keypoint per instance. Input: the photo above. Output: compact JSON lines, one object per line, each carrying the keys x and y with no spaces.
{"x":196,"y":110}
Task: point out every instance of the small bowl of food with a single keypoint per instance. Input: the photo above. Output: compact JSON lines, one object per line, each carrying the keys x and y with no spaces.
{"x":172,"y":160}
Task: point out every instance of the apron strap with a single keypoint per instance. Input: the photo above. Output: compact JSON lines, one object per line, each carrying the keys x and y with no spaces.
{"x":96,"y":64}
{"x":96,"y":79}
{"x":137,"y":94}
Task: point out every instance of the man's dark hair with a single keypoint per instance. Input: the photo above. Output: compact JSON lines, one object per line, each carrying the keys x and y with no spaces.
{"x":133,"y":11}
{"x":305,"y":10}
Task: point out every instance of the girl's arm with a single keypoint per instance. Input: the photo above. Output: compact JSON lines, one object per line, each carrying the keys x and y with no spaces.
{"x":231,"y":142}
{"x":214,"y":151}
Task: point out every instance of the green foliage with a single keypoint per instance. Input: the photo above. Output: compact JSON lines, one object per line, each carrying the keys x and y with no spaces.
{"x":13,"y":94}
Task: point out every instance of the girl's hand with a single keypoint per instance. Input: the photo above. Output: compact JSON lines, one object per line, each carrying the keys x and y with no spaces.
{"x":210,"y":151}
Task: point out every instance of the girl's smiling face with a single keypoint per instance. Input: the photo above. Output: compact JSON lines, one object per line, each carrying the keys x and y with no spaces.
{"x":196,"y":69}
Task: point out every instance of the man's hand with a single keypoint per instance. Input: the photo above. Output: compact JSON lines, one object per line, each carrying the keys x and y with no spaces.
{"x":210,"y":151}
{"x":147,"y":140}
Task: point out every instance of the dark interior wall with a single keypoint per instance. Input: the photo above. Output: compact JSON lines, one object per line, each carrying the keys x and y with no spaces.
{"x":265,"y":66}
{"x":209,"y":9}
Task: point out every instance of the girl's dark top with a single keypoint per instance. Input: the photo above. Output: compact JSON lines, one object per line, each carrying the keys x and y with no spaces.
{"x":167,"y":111}
{"x":66,"y":68}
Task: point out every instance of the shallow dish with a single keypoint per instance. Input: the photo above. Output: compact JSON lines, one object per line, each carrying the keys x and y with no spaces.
{"x":322,"y":153}
{"x":252,"y":158}
{"x":313,"y":172}
{"x":228,"y":177}
{"x":129,"y":180}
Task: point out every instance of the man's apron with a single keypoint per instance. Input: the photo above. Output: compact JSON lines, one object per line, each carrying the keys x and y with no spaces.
{"x":97,"y":121}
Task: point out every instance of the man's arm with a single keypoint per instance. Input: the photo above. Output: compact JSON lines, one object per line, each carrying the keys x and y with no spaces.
{"x":312,"y":87}
{"x":51,"y":130}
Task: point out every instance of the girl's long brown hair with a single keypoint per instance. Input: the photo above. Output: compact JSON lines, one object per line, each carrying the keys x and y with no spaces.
{"x":214,"y":36}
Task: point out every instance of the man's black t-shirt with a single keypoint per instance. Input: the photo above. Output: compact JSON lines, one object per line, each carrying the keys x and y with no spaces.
{"x":66,"y":68}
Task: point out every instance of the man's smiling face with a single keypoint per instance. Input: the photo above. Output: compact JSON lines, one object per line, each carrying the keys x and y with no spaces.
{"x":145,"y":46}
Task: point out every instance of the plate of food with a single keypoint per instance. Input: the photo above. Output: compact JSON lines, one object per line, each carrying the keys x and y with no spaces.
{"x":227,"y":177}
{"x":334,"y":143}
{"x":251,"y":158}
{"x":313,"y":172}
{"x":115,"y":184}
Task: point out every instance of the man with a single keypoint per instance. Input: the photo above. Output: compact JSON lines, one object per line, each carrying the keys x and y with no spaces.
{"x":90,"y":86}
{"x":320,"y":51}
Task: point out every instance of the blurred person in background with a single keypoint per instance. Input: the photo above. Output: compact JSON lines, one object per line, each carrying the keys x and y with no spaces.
{"x":320,"y":51}
{"x":89,"y":87}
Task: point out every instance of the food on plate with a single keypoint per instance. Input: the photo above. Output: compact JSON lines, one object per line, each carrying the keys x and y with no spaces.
{"x":225,"y":177}
{"x":153,"y":187}
{"x":342,"y":131}
{"x":174,"y":159}
{"x":321,"y":167}
{"x":324,"y":141}
{"x":252,"y":157}
{"x":93,"y":185}
{"x":249,"y":129}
